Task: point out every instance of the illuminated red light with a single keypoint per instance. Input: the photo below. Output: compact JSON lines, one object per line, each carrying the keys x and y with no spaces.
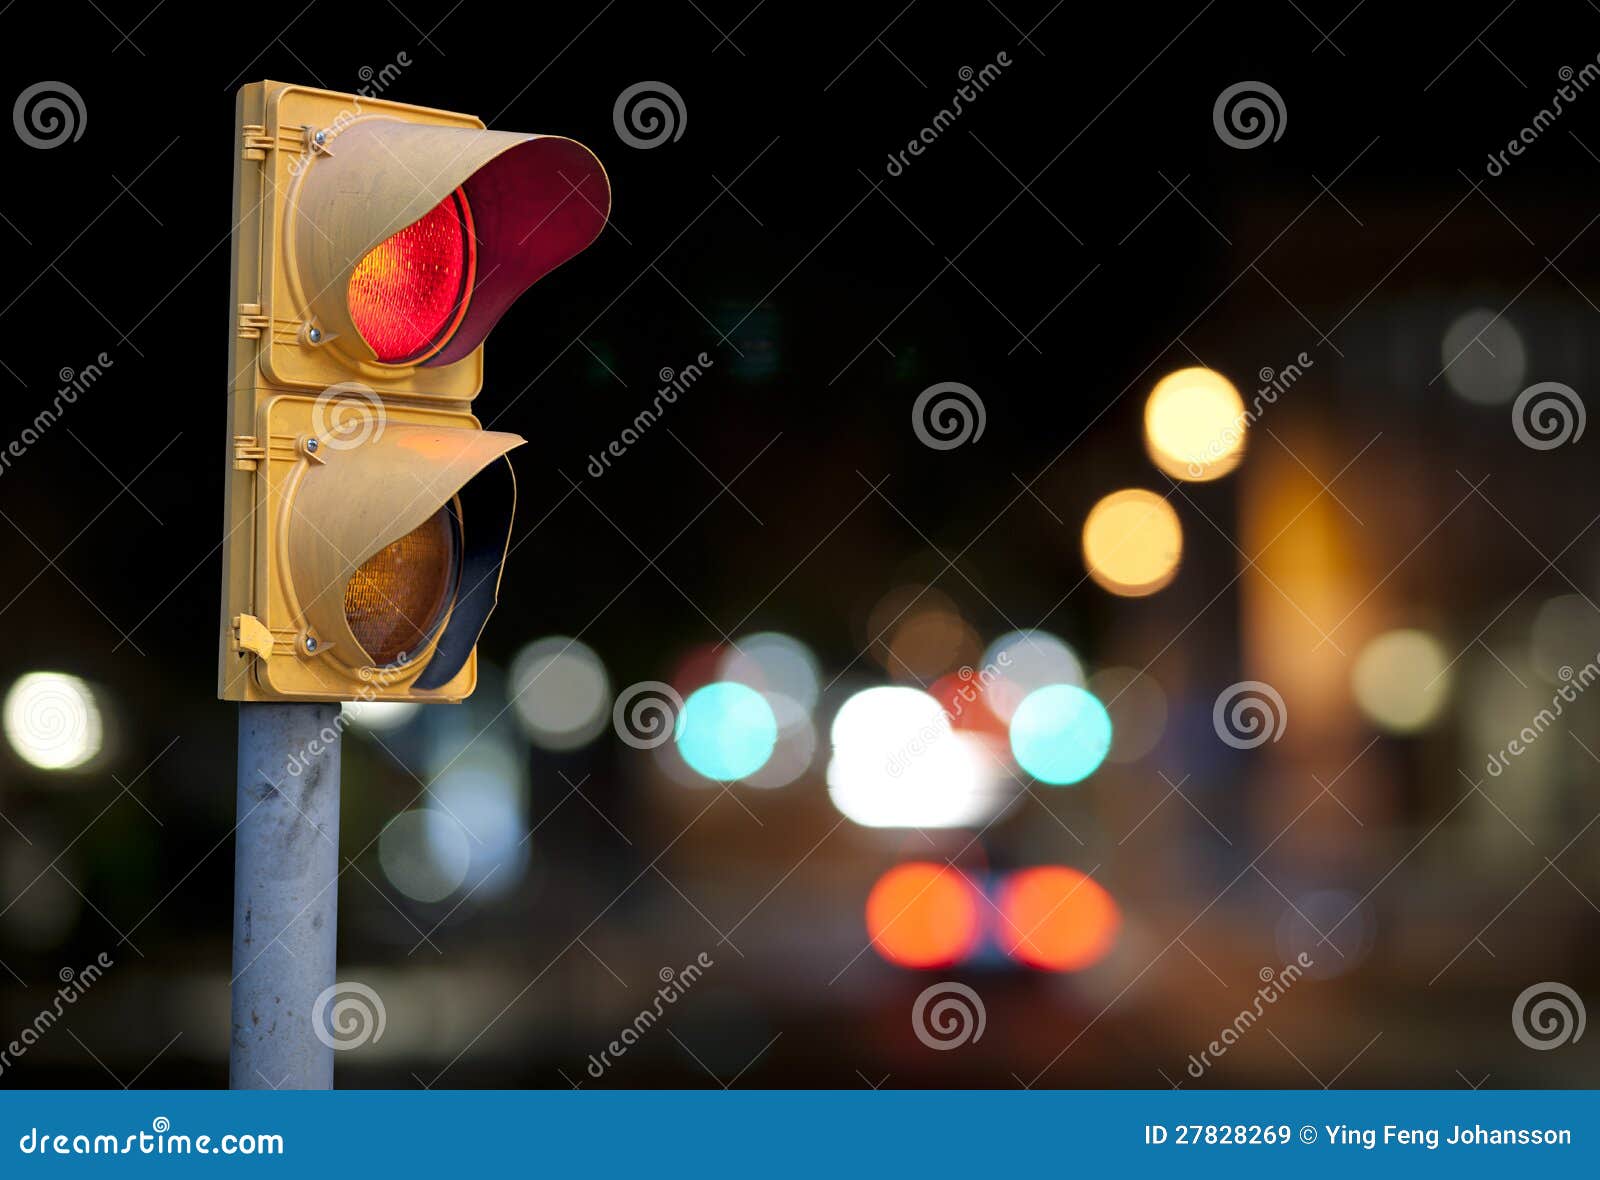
{"x":1056,"y":919}
{"x":923,"y":915}
{"x":410,"y":292}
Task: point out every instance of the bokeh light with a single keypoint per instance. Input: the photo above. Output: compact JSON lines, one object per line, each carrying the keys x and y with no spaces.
{"x":924,"y":915}
{"x":897,"y":763}
{"x":561,"y":693}
{"x":1401,"y":680}
{"x":1020,"y":662}
{"x":1565,"y":634}
{"x":795,"y":748}
{"x":1132,"y":542}
{"x":918,"y":633}
{"x":1060,"y":734}
{"x":424,"y":854}
{"x":1137,"y":707}
{"x":1056,"y":918}
{"x":726,"y":730}
{"x":1484,"y":358}
{"x":1194,"y":425}
{"x":52,"y":721}
{"x":771,"y":662}
{"x":379,"y":716}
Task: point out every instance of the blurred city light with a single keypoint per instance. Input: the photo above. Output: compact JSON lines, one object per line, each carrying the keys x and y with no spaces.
{"x":424,"y":854}
{"x":1060,"y":734}
{"x":1056,"y":918}
{"x":1484,"y":357}
{"x":1195,"y":425}
{"x":897,"y":763}
{"x":561,"y":693}
{"x":1137,"y":707}
{"x":726,"y":731}
{"x":52,"y":721}
{"x":1132,"y":542}
{"x":1021,"y":662}
{"x":918,"y":633}
{"x":773,"y":663}
{"x":1401,"y":680}
{"x":795,"y":748}
{"x":379,"y":716}
{"x":1565,"y":635}
{"x":924,"y":915}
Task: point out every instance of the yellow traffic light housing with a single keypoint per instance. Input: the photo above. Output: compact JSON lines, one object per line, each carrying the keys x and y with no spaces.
{"x":376,"y":244}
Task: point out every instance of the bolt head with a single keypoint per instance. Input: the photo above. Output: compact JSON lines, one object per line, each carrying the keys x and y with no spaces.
{"x":311,"y":643}
{"x":311,"y":445}
{"x":314,"y":335}
{"x":320,"y":138}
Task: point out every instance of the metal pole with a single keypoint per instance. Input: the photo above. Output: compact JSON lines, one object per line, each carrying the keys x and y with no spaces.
{"x":285,"y":894}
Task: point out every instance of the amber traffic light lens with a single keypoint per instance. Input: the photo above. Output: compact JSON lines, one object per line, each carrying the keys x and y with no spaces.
{"x":407,"y":296}
{"x":399,"y":596}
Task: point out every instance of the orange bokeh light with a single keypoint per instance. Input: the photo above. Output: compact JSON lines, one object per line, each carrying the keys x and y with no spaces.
{"x":1056,"y":919}
{"x":923,"y":915}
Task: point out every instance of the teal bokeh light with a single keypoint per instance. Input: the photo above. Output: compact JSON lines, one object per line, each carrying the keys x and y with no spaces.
{"x":726,"y":731}
{"x":1060,"y":734}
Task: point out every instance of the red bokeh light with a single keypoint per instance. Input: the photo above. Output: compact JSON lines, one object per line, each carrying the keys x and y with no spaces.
{"x":1056,"y":919}
{"x":923,"y":915}
{"x":410,"y":291}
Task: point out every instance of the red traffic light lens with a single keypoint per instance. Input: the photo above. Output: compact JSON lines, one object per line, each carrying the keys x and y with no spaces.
{"x":408,"y":295}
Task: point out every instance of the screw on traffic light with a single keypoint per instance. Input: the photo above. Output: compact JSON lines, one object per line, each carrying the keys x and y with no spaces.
{"x":375,"y":246}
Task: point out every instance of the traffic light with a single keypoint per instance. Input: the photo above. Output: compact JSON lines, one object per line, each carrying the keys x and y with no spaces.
{"x":375,"y":246}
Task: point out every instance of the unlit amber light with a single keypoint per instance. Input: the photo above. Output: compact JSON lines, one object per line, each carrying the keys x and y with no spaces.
{"x":395,"y":601}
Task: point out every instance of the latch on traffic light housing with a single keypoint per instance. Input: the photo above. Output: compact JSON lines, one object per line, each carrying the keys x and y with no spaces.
{"x":375,"y":246}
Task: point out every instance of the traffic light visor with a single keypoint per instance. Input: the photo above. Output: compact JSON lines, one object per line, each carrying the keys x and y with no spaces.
{"x":412,"y":240}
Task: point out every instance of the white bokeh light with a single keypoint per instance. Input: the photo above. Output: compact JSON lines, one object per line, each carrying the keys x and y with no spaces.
{"x":53,"y":721}
{"x":771,"y":662}
{"x":1023,"y":661}
{"x":424,"y":854}
{"x":898,"y":764}
{"x":379,"y":716}
{"x":561,"y":693}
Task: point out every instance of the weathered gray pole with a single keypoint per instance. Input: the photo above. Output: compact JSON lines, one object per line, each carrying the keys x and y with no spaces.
{"x":285,"y":894}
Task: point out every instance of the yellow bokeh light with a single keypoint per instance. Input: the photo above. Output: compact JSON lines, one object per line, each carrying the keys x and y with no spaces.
{"x":1131,"y":542}
{"x":1195,"y":425}
{"x":1401,"y":680}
